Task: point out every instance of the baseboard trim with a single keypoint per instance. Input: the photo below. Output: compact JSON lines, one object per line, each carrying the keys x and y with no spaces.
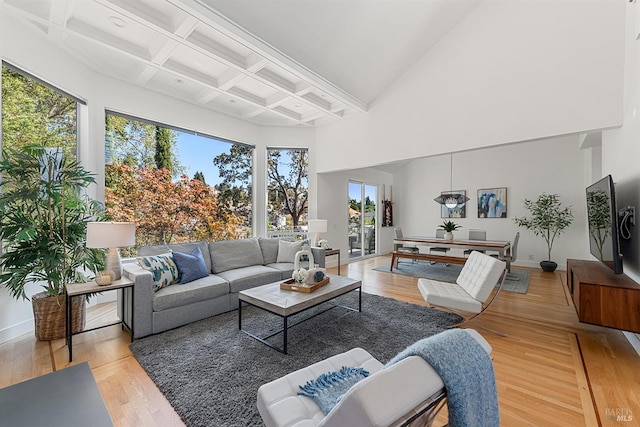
{"x":17,"y":330}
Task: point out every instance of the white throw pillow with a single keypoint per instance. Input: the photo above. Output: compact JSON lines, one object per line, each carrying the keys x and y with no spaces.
{"x":287,"y":250}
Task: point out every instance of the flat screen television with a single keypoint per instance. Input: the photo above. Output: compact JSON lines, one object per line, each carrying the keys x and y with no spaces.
{"x":602,"y":215}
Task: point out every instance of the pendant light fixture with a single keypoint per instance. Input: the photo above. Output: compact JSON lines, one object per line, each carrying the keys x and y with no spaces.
{"x":451,"y":199}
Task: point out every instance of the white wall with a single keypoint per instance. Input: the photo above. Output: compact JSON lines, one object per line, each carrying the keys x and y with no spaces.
{"x":510,"y":71}
{"x":526,"y":169}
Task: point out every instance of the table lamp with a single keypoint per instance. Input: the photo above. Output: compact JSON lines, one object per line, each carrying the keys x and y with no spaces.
{"x":111,"y":235}
{"x":317,"y":226}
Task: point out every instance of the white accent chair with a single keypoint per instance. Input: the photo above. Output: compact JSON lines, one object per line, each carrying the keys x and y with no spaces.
{"x":472,"y":289}
{"x":407,"y":393}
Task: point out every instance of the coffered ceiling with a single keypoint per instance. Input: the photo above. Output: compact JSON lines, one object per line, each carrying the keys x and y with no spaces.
{"x":269,"y":62}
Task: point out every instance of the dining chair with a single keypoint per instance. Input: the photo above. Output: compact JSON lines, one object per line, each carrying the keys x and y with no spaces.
{"x":439,"y":235}
{"x":513,"y":253}
{"x":399,"y":247}
{"x":475,"y":235}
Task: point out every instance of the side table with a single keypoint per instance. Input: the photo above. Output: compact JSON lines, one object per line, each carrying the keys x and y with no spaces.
{"x":83,"y":289}
{"x":329,"y":252}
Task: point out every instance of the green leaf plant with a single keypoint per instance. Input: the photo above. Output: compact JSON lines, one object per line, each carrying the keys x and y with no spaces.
{"x":43,"y":220}
{"x":449,"y":226}
{"x":548,"y":218}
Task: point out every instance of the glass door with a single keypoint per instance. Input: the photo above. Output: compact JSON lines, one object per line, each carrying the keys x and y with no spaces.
{"x":362,"y":219}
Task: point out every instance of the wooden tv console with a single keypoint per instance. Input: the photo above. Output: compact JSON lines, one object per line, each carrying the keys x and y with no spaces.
{"x":603,"y":298}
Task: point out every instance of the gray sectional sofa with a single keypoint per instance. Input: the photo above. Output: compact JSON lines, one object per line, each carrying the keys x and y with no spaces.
{"x":233,"y":265}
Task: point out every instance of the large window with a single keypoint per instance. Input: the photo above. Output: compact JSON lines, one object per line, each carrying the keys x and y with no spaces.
{"x":35,"y":113}
{"x":288,"y":189}
{"x":175,"y":185}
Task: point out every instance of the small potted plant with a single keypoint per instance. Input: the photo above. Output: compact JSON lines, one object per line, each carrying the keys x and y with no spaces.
{"x":449,"y":227}
{"x":548,"y":220}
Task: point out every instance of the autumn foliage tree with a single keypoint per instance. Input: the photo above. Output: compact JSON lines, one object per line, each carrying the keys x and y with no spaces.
{"x":165,"y":211}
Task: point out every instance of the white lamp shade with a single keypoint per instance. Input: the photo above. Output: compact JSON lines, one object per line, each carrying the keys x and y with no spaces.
{"x":111,"y":234}
{"x":317,"y":226}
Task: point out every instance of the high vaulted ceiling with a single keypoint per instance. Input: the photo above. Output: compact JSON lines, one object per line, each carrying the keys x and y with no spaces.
{"x":270,"y":62}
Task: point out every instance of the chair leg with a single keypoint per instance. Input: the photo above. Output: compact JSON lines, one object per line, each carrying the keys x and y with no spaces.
{"x":466,"y":319}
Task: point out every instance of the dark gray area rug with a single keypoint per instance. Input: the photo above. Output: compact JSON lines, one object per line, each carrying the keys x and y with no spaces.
{"x":516,"y":281}
{"x":210,"y":371}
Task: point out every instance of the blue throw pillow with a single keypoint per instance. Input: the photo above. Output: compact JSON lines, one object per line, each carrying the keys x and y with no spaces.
{"x":191,"y":266}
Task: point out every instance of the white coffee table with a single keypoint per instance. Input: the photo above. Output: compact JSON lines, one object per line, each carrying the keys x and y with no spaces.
{"x":285,"y":303}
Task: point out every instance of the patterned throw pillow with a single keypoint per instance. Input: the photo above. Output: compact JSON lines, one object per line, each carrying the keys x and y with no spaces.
{"x":162,"y":267}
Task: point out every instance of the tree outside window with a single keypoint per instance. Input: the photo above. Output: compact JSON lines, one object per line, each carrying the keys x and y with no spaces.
{"x":288,"y":189}
{"x":147,"y":182}
{"x":35,"y":114}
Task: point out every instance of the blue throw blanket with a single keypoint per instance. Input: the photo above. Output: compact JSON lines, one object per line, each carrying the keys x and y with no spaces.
{"x":328,"y":388}
{"x":467,"y":373}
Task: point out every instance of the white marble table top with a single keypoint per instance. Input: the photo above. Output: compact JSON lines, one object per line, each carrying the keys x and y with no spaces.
{"x":285,"y":303}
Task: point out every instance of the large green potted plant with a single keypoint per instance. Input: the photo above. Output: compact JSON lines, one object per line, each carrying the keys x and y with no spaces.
{"x":548,"y":220}
{"x":43,"y":220}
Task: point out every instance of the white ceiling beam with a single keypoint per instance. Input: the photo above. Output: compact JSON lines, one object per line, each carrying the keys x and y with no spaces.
{"x":59,"y":13}
{"x":232,"y":30}
{"x":213,"y":49}
{"x":255,"y":63}
{"x":206,"y":96}
{"x":277,"y":99}
{"x":186,"y":27}
{"x":229,"y":79}
{"x":123,"y":47}
{"x":252,"y":113}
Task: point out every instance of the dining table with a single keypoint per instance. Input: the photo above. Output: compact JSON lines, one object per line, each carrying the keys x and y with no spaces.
{"x":502,"y":247}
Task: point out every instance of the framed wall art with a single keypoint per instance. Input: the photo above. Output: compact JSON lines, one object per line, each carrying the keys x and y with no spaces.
{"x":457,"y":212}
{"x":492,"y":203}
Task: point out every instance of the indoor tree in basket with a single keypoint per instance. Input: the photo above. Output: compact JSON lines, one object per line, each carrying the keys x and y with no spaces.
{"x":548,"y":220}
{"x":43,"y":221}
{"x":449,"y":227}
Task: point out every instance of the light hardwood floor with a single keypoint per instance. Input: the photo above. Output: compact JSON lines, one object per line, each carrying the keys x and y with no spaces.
{"x":551,"y":370}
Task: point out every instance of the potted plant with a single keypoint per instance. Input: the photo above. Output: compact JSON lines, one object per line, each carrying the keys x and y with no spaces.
{"x":43,"y":219}
{"x":449,"y":227}
{"x":548,"y":220}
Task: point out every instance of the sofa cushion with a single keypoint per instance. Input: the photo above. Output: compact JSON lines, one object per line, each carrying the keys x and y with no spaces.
{"x":287,"y":250}
{"x":249,"y":277}
{"x":286,"y":268}
{"x":231,"y":254}
{"x":269,"y":249}
{"x":185,"y":248}
{"x":203,"y":289}
{"x":162,"y":268}
{"x":191,"y":266}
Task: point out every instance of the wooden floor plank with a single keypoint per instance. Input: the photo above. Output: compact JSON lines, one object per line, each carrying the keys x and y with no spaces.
{"x":551,"y":370}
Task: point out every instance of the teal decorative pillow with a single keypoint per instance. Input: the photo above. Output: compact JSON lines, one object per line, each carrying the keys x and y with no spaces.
{"x":162,"y":267}
{"x":191,"y":266}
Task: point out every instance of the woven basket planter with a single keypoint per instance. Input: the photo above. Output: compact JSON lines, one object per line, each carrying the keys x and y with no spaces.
{"x":49,"y":315}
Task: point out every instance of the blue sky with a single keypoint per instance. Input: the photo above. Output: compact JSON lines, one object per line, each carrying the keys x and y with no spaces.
{"x":196,"y":153}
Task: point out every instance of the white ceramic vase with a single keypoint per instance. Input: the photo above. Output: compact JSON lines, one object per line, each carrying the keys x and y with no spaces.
{"x":448,"y":235}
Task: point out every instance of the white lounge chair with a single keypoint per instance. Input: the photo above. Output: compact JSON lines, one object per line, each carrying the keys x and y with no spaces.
{"x":408,"y":393}
{"x":470,"y":294}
